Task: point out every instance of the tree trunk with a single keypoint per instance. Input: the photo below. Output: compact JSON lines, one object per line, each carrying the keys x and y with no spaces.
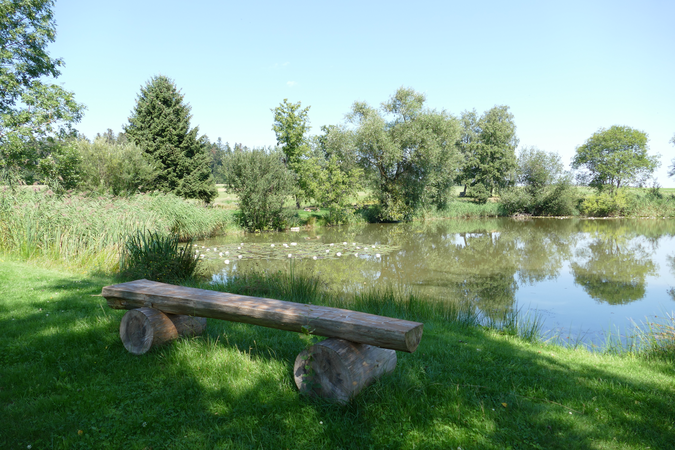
{"x":338,"y":370}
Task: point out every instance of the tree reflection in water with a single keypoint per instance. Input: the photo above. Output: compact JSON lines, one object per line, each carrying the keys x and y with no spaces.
{"x":613,"y":266}
{"x":492,"y":262}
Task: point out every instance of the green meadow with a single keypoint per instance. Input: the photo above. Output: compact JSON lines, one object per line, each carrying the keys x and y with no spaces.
{"x":66,"y":380}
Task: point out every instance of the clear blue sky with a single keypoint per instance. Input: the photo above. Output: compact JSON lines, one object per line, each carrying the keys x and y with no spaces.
{"x":565,"y":69}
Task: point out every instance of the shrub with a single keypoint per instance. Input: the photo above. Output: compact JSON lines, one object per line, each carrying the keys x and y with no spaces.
{"x":557,"y":200}
{"x":118,"y":168}
{"x":546,"y":187}
{"x":517,"y":200}
{"x":262,"y":183}
{"x":605,"y":204}
{"x":157,"y":257}
{"x":479,"y":193}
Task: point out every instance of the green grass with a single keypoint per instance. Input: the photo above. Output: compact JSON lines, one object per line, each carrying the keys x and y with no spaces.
{"x":66,"y":381}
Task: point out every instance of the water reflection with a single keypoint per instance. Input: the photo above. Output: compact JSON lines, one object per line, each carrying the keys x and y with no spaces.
{"x":613,"y":268}
{"x":560,"y":266}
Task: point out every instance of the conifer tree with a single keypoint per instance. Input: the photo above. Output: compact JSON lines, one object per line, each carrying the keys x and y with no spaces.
{"x":160,"y":125}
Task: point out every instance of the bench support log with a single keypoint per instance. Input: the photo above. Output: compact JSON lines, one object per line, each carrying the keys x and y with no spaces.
{"x":338,"y":370}
{"x":144,"y":328}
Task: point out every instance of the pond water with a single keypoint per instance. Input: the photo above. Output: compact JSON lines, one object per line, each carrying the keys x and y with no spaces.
{"x":582,"y":277}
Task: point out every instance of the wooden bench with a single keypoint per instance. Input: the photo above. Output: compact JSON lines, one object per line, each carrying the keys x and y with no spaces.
{"x":361,"y":347}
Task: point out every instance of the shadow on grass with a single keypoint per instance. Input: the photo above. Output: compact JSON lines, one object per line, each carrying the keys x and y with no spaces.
{"x":68,"y":382}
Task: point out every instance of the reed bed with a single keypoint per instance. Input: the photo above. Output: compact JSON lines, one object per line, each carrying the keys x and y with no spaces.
{"x":390,"y":301}
{"x":86,"y":231}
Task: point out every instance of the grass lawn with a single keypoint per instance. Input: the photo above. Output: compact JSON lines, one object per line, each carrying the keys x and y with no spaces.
{"x":66,"y":381}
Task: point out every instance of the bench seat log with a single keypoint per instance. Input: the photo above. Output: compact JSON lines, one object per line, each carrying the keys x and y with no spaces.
{"x":385,"y":332}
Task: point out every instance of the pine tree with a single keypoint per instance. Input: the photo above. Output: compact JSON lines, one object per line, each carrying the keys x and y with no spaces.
{"x":160,"y":125}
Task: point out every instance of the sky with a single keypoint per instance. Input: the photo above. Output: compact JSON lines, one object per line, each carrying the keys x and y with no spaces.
{"x":565,"y":69}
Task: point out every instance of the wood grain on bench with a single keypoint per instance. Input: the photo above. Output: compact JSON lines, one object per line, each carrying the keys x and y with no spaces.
{"x":384,"y":332}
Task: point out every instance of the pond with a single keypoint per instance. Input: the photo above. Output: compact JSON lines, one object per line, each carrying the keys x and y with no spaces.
{"x":582,"y":277}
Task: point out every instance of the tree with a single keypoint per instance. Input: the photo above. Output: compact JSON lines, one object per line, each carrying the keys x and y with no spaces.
{"x":409,"y":150}
{"x":160,"y":125}
{"x":332,"y":172}
{"x":290,"y":125}
{"x":538,"y":169}
{"x":262,"y":183}
{"x":34,"y":115}
{"x":546,"y":188}
{"x":488,"y":145}
{"x":615,"y":157}
{"x":218,"y":152}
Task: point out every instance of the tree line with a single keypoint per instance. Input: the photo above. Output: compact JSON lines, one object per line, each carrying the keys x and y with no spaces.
{"x":408,"y":155}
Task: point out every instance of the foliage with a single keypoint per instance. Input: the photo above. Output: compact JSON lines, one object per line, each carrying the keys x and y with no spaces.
{"x":650,"y":203}
{"x":488,"y":146}
{"x":478,"y":192}
{"x":334,"y":176}
{"x":113,"y":167}
{"x":538,"y":169}
{"x":31,"y":110}
{"x":547,"y":188}
{"x":290,"y":126}
{"x":408,"y":150}
{"x":218,"y":152}
{"x":157,"y":257}
{"x":605,"y":204}
{"x":262,"y":183}
{"x":615,"y":157}
{"x":160,"y":125}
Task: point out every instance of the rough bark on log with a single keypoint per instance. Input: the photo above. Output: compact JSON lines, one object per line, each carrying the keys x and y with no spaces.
{"x":188,"y":325}
{"x":337,"y":369}
{"x":146,"y":327}
{"x":354,"y":326}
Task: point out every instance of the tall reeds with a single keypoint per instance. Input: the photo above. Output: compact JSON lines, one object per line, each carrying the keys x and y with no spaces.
{"x":157,"y":257}
{"x":390,"y":301}
{"x":90,"y":231}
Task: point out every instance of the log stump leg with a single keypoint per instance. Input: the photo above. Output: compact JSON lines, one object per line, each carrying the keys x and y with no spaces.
{"x":144,"y":328}
{"x":337,"y":369}
{"x":188,"y":325}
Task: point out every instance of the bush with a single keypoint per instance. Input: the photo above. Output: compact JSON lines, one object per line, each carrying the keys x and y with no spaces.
{"x":117,"y":168}
{"x":262,"y":183}
{"x":557,"y":200}
{"x":605,"y":204}
{"x":517,"y":200}
{"x":479,"y":193}
{"x":156,"y":257}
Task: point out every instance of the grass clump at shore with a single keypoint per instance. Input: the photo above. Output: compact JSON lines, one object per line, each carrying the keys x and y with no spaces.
{"x":156,"y":257}
{"x":83,"y":231}
{"x":68,"y":382}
